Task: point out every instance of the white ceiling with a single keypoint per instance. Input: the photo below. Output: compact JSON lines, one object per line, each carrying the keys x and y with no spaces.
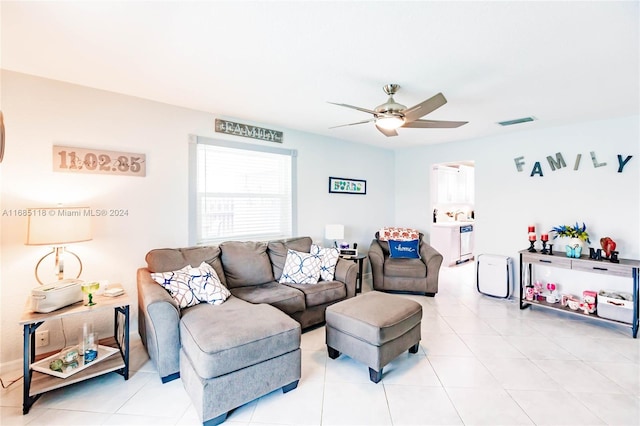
{"x":278,"y":63}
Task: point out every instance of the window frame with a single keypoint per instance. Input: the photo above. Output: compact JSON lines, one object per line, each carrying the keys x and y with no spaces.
{"x":194,"y":141}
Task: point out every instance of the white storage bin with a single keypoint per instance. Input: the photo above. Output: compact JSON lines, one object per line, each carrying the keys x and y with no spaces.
{"x":49,"y":297}
{"x":615,"y":308}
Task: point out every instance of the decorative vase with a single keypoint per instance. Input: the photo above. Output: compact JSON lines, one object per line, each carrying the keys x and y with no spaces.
{"x":574,"y":247}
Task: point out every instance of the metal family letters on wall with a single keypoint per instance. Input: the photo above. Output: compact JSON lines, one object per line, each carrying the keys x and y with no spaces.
{"x":558,"y":162}
{"x":247,"y":131}
{"x":90,"y":160}
{"x":347,"y":186}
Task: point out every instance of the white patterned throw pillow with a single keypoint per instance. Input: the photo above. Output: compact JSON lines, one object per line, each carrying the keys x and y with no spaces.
{"x":301,"y":268}
{"x":211,"y":289}
{"x":329,"y":257}
{"x":190,"y":286}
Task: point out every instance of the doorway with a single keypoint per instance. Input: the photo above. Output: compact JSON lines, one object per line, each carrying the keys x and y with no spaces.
{"x":453,"y":208}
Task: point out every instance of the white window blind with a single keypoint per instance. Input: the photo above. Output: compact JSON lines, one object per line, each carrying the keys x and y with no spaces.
{"x":242,"y":192}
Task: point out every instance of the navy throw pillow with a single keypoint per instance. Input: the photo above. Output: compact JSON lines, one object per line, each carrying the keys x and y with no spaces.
{"x":404,"y":249}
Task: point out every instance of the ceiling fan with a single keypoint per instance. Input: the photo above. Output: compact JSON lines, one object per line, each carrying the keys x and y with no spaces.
{"x":391,"y":115}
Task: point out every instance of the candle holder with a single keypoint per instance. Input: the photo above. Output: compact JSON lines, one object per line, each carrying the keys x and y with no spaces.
{"x":531,"y":248}
{"x":550,"y":249}
{"x":544,"y":248}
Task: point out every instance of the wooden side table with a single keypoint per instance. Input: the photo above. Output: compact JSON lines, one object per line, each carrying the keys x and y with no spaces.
{"x":36,"y":383}
{"x":359,"y":259}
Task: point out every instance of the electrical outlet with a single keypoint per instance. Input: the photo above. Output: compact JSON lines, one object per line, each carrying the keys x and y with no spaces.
{"x":42,"y":338}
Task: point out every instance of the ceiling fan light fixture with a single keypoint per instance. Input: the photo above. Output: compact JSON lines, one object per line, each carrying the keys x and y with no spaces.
{"x":390,"y":122}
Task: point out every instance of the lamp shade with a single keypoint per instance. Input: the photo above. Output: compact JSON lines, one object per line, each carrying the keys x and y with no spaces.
{"x":58,"y":226}
{"x":334,"y":232}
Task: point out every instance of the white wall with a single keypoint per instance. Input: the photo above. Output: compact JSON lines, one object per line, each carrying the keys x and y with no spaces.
{"x":40,"y":113}
{"x":506,"y":200}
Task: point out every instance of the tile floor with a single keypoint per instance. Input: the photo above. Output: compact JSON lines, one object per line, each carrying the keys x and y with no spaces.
{"x":481,"y":361}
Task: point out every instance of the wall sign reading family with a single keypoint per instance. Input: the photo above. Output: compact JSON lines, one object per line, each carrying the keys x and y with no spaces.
{"x":248,"y":131}
{"x":347,"y":186}
{"x":88,"y":160}
{"x":559,"y":162}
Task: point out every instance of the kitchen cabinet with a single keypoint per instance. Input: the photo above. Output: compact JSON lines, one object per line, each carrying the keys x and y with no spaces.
{"x":454,"y":184}
{"x":626,"y":268}
{"x":454,"y":240}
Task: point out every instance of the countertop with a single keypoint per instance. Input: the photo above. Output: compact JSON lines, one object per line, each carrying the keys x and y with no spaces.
{"x":454,"y":224}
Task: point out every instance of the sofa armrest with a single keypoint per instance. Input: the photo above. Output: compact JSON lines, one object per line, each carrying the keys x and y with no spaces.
{"x":428,"y":253}
{"x":346,"y":272}
{"x":158,"y":325}
{"x":376,"y":260}
{"x":433,"y":259}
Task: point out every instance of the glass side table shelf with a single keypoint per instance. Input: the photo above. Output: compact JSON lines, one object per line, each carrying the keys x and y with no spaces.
{"x":37,"y":383}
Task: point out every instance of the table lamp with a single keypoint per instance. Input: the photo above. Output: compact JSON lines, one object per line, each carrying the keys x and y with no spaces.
{"x":57,"y":227}
{"x":334,"y":232}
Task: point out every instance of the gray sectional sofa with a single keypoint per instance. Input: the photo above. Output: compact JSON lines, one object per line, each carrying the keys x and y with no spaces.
{"x":232,"y":353}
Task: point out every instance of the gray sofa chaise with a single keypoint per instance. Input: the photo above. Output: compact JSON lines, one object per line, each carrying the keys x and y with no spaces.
{"x":232,"y":353}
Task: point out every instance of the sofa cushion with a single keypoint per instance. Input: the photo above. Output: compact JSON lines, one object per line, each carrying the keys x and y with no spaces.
{"x":329,"y":257}
{"x":235,"y":335}
{"x":287,"y":299}
{"x":321,"y":293}
{"x":245,"y":263}
{"x":406,"y":268}
{"x":170,"y":259}
{"x":189,"y":286}
{"x":278,"y":252}
{"x":301,"y":268}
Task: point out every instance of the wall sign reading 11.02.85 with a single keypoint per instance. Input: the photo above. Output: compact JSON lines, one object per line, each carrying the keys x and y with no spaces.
{"x":87,"y":160}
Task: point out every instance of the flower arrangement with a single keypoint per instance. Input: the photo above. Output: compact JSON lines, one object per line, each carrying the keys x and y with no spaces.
{"x":575,"y":231}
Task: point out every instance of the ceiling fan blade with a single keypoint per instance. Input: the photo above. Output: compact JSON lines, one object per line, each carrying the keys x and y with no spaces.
{"x":355,"y":107}
{"x":424,"y":108}
{"x":353,"y":124}
{"x":434,"y":124}
{"x":386,"y":132}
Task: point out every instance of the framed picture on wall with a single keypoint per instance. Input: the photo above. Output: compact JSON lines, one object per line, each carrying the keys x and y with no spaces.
{"x":347,"y":186}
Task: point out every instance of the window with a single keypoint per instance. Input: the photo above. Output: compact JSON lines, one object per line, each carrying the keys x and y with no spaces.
{"x":240,"y":192}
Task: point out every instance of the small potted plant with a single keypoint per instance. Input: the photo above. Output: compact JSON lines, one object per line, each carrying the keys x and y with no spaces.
{"x":577,"y":236}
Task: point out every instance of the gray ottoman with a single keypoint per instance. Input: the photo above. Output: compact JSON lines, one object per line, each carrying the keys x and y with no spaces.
{"x":374,"y":329}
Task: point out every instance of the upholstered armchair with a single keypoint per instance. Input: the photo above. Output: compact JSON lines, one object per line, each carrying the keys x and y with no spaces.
{"x":404,"y":274}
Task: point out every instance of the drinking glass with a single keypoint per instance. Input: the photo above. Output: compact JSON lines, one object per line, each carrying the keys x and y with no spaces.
{"x":89,"y":289}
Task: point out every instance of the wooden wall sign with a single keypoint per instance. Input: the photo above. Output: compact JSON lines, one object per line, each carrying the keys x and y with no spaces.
{"x":247,"y":131}
{"x":97,"y":161}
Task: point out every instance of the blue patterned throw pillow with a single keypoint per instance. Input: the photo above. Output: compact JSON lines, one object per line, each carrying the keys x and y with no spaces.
{"x":190,"y":286}
{"x":329,"y":257}
{"x":404,"y":249}
{"x":301,"y":268}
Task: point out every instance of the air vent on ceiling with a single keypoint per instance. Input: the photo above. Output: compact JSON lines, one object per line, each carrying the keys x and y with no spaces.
{"x":516,"y":121}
